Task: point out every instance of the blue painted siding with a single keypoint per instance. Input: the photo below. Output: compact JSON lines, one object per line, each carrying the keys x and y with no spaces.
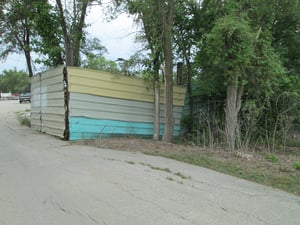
{"x":86,"y":128}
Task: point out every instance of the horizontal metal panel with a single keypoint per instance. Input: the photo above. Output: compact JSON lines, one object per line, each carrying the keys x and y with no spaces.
{"x":53,"y":110}
{"x":54,"y":78}
{"x":53,"y":131}
{"x":57,"y":71}
{"x":84,"y":128}
{"x":35,"y":127}
{"x":34,"y":115}
{"x":48,"y":106}
{"x":53,"y":118}
{"x":115,"y":109}
{"x":115,"y":86}
{"x":53,"y":125}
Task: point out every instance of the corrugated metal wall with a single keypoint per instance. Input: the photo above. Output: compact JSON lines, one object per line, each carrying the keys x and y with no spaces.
{"x":102,"y":104}
{"x":48,"y":111}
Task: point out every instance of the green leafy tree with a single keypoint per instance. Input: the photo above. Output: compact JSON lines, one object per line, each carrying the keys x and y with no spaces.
{"x":31,"y":26}
{"x":229,"y":49}
{"x":49,"y":43}
{"x":237,"y":53}
{"x":100,"y":63}
{"x":186,"y":35}
{"x":14,"y":81}
{"x":17,"y":32}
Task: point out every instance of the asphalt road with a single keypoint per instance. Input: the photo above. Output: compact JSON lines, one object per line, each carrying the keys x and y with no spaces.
{"x":46,"y":181}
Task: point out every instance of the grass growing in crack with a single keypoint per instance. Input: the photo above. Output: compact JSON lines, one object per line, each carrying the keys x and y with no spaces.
{"x":170,"y":178}
{"x":157,"y":168}
{"x":130,"y":162}
{"x":181,"y":175}
{"x":167,"y":170}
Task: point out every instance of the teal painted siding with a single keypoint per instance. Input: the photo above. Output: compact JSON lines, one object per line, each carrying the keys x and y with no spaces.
{"x":87,"y":128}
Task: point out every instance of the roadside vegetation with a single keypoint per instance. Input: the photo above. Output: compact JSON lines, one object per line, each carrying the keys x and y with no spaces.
{"x":24,"y":118}
{"x":279,"y":170}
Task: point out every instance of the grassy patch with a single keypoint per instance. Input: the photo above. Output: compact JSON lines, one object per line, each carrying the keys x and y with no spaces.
{"x":296,"y":165}
{"x":271,"y":158}
{"x":289,"y":183}
{"x":24,"y":118}
{"x":25,"y":121}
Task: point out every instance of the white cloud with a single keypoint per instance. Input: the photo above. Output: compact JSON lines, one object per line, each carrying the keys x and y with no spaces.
{"x":117,"y":35}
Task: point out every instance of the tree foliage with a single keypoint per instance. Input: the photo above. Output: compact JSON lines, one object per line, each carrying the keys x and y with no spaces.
{"x":237,"y":56}
{"x":14,"y":81}
{"x":17,"y":29}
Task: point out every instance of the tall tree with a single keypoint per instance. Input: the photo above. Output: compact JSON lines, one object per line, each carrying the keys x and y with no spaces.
{"x":166,"y":9}
{"x":238,"y":51}
{"x":186,"y":35}
{"x":16,"y":26}
{"x":148,"y":16}
{"x":72,"y":21}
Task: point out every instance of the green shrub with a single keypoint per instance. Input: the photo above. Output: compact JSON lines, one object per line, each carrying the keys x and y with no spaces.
{"x":296,"y":165}
{"x":271,"y":158}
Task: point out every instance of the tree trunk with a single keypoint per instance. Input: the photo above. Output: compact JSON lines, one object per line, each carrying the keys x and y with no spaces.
{"x":78,"y":33}
{"x":166,"y":13}
{"x":156,"y":128}
{"x":233,"y":105}
{"x":190,"y":93}
{"x":28,"y":61}
{"x":67,"y":38}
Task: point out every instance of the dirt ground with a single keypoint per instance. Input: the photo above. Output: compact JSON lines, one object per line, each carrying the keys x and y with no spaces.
{"x":250,"y":160}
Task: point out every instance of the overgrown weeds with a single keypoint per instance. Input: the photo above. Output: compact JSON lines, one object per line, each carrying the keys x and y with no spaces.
{"x":24,"y":119}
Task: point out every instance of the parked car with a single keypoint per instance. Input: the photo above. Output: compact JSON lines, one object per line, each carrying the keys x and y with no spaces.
{"x":24,"y":97}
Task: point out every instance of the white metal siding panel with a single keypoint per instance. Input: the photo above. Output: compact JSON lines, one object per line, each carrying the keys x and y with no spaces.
{"x":48,"y":106}
{"x":35,"y":103}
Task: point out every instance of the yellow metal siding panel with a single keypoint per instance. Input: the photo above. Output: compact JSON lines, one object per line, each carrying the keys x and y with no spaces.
{"x":115,"y":86}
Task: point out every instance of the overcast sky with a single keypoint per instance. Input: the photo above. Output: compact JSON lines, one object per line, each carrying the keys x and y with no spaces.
{"x":117,"y":36}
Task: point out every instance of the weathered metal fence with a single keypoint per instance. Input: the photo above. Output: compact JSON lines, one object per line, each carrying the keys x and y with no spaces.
{"x":75,"y":103}
{"x":48,"y":113}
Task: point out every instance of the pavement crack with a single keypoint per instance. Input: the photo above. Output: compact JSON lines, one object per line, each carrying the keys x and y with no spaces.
{"x":94,"y":220}
{"x":156,"y":205}
{"x":63,"y":209}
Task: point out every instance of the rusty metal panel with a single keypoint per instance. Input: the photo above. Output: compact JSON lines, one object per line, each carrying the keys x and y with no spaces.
{"x":48,"y":105}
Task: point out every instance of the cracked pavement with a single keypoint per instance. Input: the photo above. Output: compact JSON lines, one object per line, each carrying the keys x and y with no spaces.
{"x":47,"y":181}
